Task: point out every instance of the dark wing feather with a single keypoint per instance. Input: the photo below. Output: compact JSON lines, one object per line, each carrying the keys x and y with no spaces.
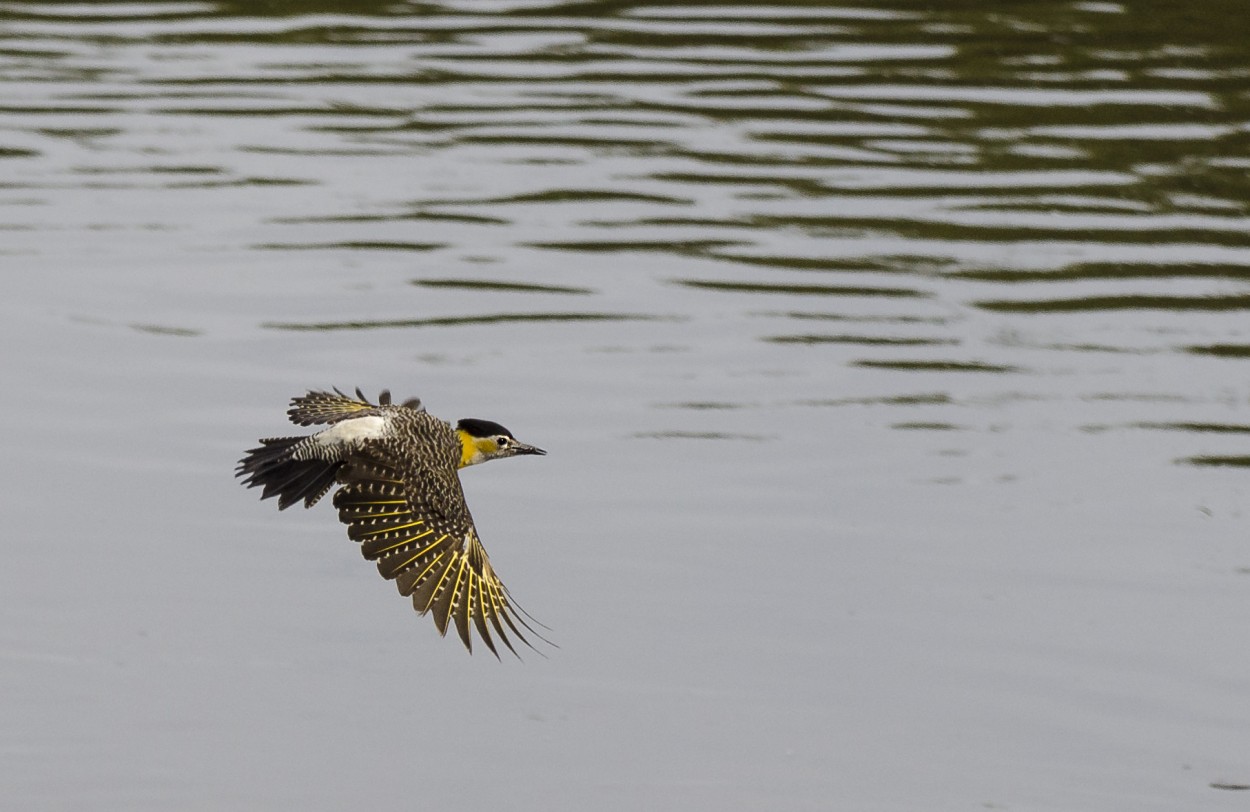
{"x":331,"y":407}
{"x":407,"y":512}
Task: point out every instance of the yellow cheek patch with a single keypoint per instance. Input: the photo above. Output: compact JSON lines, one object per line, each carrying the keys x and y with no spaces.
{"x":473,"y":448}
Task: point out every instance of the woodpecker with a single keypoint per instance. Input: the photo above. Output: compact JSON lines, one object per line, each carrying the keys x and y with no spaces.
{"x":397,"y":468}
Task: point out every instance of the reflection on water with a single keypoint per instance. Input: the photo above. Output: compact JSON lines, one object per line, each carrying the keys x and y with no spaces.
{"x":494,"y":318}
{"x":745,"y":224}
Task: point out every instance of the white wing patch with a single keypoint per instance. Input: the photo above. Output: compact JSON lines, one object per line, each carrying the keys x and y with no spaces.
{"x":351,"y":431}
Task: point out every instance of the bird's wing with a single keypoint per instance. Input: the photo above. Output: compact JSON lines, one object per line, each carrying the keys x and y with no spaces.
{"x":331,"y":407}
{"x":409,"y":515}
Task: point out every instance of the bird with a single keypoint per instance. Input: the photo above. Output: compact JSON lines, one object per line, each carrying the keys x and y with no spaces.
{"x":397,"y":467}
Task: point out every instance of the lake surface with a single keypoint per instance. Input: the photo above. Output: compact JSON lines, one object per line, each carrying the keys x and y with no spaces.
{"x":893,"y":365}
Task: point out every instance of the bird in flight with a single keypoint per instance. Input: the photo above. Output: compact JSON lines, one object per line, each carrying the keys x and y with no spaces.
{"x":400,"y":496}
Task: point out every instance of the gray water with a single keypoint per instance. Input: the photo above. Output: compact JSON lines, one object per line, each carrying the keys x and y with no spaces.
{"x":893,"y":365}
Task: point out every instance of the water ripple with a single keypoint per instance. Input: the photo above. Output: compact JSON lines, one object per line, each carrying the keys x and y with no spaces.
{"x":1060,"y":202}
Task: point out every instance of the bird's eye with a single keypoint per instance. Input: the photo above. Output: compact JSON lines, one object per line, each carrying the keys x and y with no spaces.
{"x":502,"y":442}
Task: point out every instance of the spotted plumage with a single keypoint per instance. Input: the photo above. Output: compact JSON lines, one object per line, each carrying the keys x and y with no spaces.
{"x":401,"y":499}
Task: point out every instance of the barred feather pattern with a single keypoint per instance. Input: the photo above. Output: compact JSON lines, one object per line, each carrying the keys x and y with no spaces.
{"x":331,"y":407}
{"x":276,"y":466}
{"x":402,"y":501}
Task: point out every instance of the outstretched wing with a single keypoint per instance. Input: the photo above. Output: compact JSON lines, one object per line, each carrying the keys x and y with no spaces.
{"x":331,"y":407}
{"x":410,"y":518}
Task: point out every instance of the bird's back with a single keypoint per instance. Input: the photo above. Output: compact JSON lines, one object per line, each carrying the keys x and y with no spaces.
{"x":423,"y":453}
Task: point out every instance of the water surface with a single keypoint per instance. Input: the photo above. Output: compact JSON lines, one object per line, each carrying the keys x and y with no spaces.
{"x":891,"y":362}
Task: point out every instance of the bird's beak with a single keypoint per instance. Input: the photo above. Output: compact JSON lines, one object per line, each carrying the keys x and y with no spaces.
{"x":526,"y":448}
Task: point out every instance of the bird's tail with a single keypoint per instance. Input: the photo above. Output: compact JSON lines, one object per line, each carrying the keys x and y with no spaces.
{"x":272,"y":465}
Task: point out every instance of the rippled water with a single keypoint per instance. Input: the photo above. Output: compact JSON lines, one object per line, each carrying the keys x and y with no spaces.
{"x":891,"y":361}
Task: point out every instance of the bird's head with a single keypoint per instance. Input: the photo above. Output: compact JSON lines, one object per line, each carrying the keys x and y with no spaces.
{"x":482,"y":440}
